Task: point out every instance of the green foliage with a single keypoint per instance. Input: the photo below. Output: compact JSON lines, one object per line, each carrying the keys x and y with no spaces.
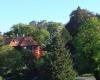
{"x":1,"y":78}
{"x":65,"y":35}
{"x":77,"y":17}
{"x":87,"y":44}
{"x":38,"y":34}
{"x":23,"y":29}
{"x":60,"y":64}
{"x":1,"y":38}
{"x":10,"y":59}
{"x":54,"y":27}
{"x":41,"y":35}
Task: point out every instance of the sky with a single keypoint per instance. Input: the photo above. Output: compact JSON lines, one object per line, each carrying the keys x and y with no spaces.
{"x":24,"y":11}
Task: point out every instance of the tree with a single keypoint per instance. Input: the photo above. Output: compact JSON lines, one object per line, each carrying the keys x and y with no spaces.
{"x":10,"y":60}
{"x":41,"y":35}
{"x":15,"y":62}
{"x":1,"y":39}
{"x":0,"y":33}
{"x":53,"y":27}
{"x":87,"y":44}
{"x":77,"y":17}
{"x":59,"y":66}
{"x":20,"y":30}
{"x":65,"y":35}
{"x":23,"y":30}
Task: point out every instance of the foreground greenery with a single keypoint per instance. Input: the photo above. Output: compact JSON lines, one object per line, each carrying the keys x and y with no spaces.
{"x":84,"y":28}
{"x":21,"y":64}
{"x":59,"y":65}
{"x":56,"y":61}
{"x":87,"y":43}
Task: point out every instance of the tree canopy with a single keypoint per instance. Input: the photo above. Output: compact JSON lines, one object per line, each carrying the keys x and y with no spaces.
{"x":60,"y":60}
{"x":77,"y":17}
{"x":87,"y":44}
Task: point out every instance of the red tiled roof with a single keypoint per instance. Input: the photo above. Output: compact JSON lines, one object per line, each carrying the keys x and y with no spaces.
{"x":23,"y":41}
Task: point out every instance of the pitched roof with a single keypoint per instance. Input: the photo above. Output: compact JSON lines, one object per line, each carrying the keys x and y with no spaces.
{"x":23,"y":41}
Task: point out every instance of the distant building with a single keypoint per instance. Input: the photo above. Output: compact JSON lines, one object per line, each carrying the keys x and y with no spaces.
{"x":23,"y":42}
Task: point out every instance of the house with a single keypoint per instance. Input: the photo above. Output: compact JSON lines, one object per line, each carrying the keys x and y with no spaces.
{"x":23,"y":42}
